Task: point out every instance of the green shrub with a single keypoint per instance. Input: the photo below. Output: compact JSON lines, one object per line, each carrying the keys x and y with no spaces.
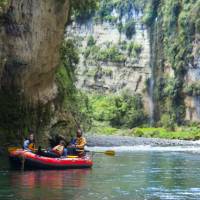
{"x":129,"y":29}
{"x":102,"y":107}
{"x":87,"y":53}
{"x":83,"y":10}
{"x":111,"y":54}
{"x":150,"y":12}
{"x":91,"y":41}
{"x":167,"y":122}
{"x":134,"y":49}
{"x":183,"y":133}
{"x":138,"y":133}
{"x":69,"y":99}
{"x":129,"y":112}
{"x":69,"y":54}
{"x":91,"y":52}
{"x":111,"y":19}
{"x":106,"y":7}
{"x":137,"y":48}
{"x":118,"y":110}
{"x":192,"y":89}
{"x":134,"y":118}
{"x":123,"y":45}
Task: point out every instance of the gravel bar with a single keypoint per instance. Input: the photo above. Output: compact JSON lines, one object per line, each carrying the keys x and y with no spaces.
{"x":110,"y":141}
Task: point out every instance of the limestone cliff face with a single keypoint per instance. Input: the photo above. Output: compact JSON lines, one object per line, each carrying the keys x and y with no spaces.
{"x":111,"y":75}
{"x":174,"y":35}
{"x":193,"y":77}
{"x":166,"y":71}
{"x":31,"y":34}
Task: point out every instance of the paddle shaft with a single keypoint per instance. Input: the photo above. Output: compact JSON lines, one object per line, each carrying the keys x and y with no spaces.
{"x":108,"y":152}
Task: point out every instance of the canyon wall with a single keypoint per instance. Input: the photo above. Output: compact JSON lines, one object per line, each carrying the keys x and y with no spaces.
{"x":110,"y":62}
{"x":175,"y":52}
{"x":112,"y":76}
{"x":31,"y":34}
{"x":164,"y":63}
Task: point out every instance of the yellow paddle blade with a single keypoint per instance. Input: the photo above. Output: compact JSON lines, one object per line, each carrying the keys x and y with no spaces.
{"x":110,"y":152}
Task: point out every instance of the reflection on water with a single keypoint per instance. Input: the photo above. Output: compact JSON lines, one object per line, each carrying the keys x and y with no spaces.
{"x":136,"y":175}
{"x":49,"y":179}
{"x":48,"y":184}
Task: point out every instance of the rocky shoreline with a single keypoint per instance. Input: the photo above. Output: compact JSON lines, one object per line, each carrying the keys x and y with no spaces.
{"x":110,"y":141}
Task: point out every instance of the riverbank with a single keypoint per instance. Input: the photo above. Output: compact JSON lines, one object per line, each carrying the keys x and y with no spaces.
{"x":181,"y":133}
{"x":110,"y":141}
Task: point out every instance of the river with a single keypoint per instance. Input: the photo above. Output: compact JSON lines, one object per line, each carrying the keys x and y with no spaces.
{"x":138,"y":173}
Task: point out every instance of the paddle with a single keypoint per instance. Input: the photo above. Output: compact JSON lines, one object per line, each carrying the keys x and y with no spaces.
{"x":108,"y":152}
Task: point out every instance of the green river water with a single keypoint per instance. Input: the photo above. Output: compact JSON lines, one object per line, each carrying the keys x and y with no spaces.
{"x":132,"y":175}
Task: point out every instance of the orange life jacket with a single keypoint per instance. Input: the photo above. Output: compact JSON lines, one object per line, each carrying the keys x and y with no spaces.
{"x":80,"y":142}
{"x":31,"y":146}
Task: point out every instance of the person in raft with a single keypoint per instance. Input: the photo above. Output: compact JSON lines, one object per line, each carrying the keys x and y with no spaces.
{"x":29,"y":143}
{"x":60,"y":149}
{"x":77,"y":145}
{"x":56,"y":152}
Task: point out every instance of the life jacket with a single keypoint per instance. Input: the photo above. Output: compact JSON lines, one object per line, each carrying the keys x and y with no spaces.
{"x":80,"y":142}
{"x":59,"y":149}
{"x":31,"y":146}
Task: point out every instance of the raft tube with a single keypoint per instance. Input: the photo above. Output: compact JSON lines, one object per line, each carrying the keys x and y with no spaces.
{"x":31,"y":161}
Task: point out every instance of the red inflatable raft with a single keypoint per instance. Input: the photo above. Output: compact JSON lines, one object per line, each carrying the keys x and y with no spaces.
{"x":33,"y":161}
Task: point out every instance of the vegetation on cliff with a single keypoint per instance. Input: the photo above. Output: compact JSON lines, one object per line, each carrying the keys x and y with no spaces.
{"x":81,"y":10}
{"x":69,"y":99}
{"x":119,"y":110}
{"x":18,"y":112}
{"x":177,"y":23}
{"x":122,"y":110}
{"x":108,"y":52}
{"x":3,"y":3}
{"x":173,"y":26}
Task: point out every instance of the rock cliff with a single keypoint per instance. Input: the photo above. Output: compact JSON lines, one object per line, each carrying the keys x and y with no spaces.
{"x":31,"y":33}
{"x":111,"y":61}
{"x":163,"y":65}
{"x":174,"y":40}
{"x":112,"y":75}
